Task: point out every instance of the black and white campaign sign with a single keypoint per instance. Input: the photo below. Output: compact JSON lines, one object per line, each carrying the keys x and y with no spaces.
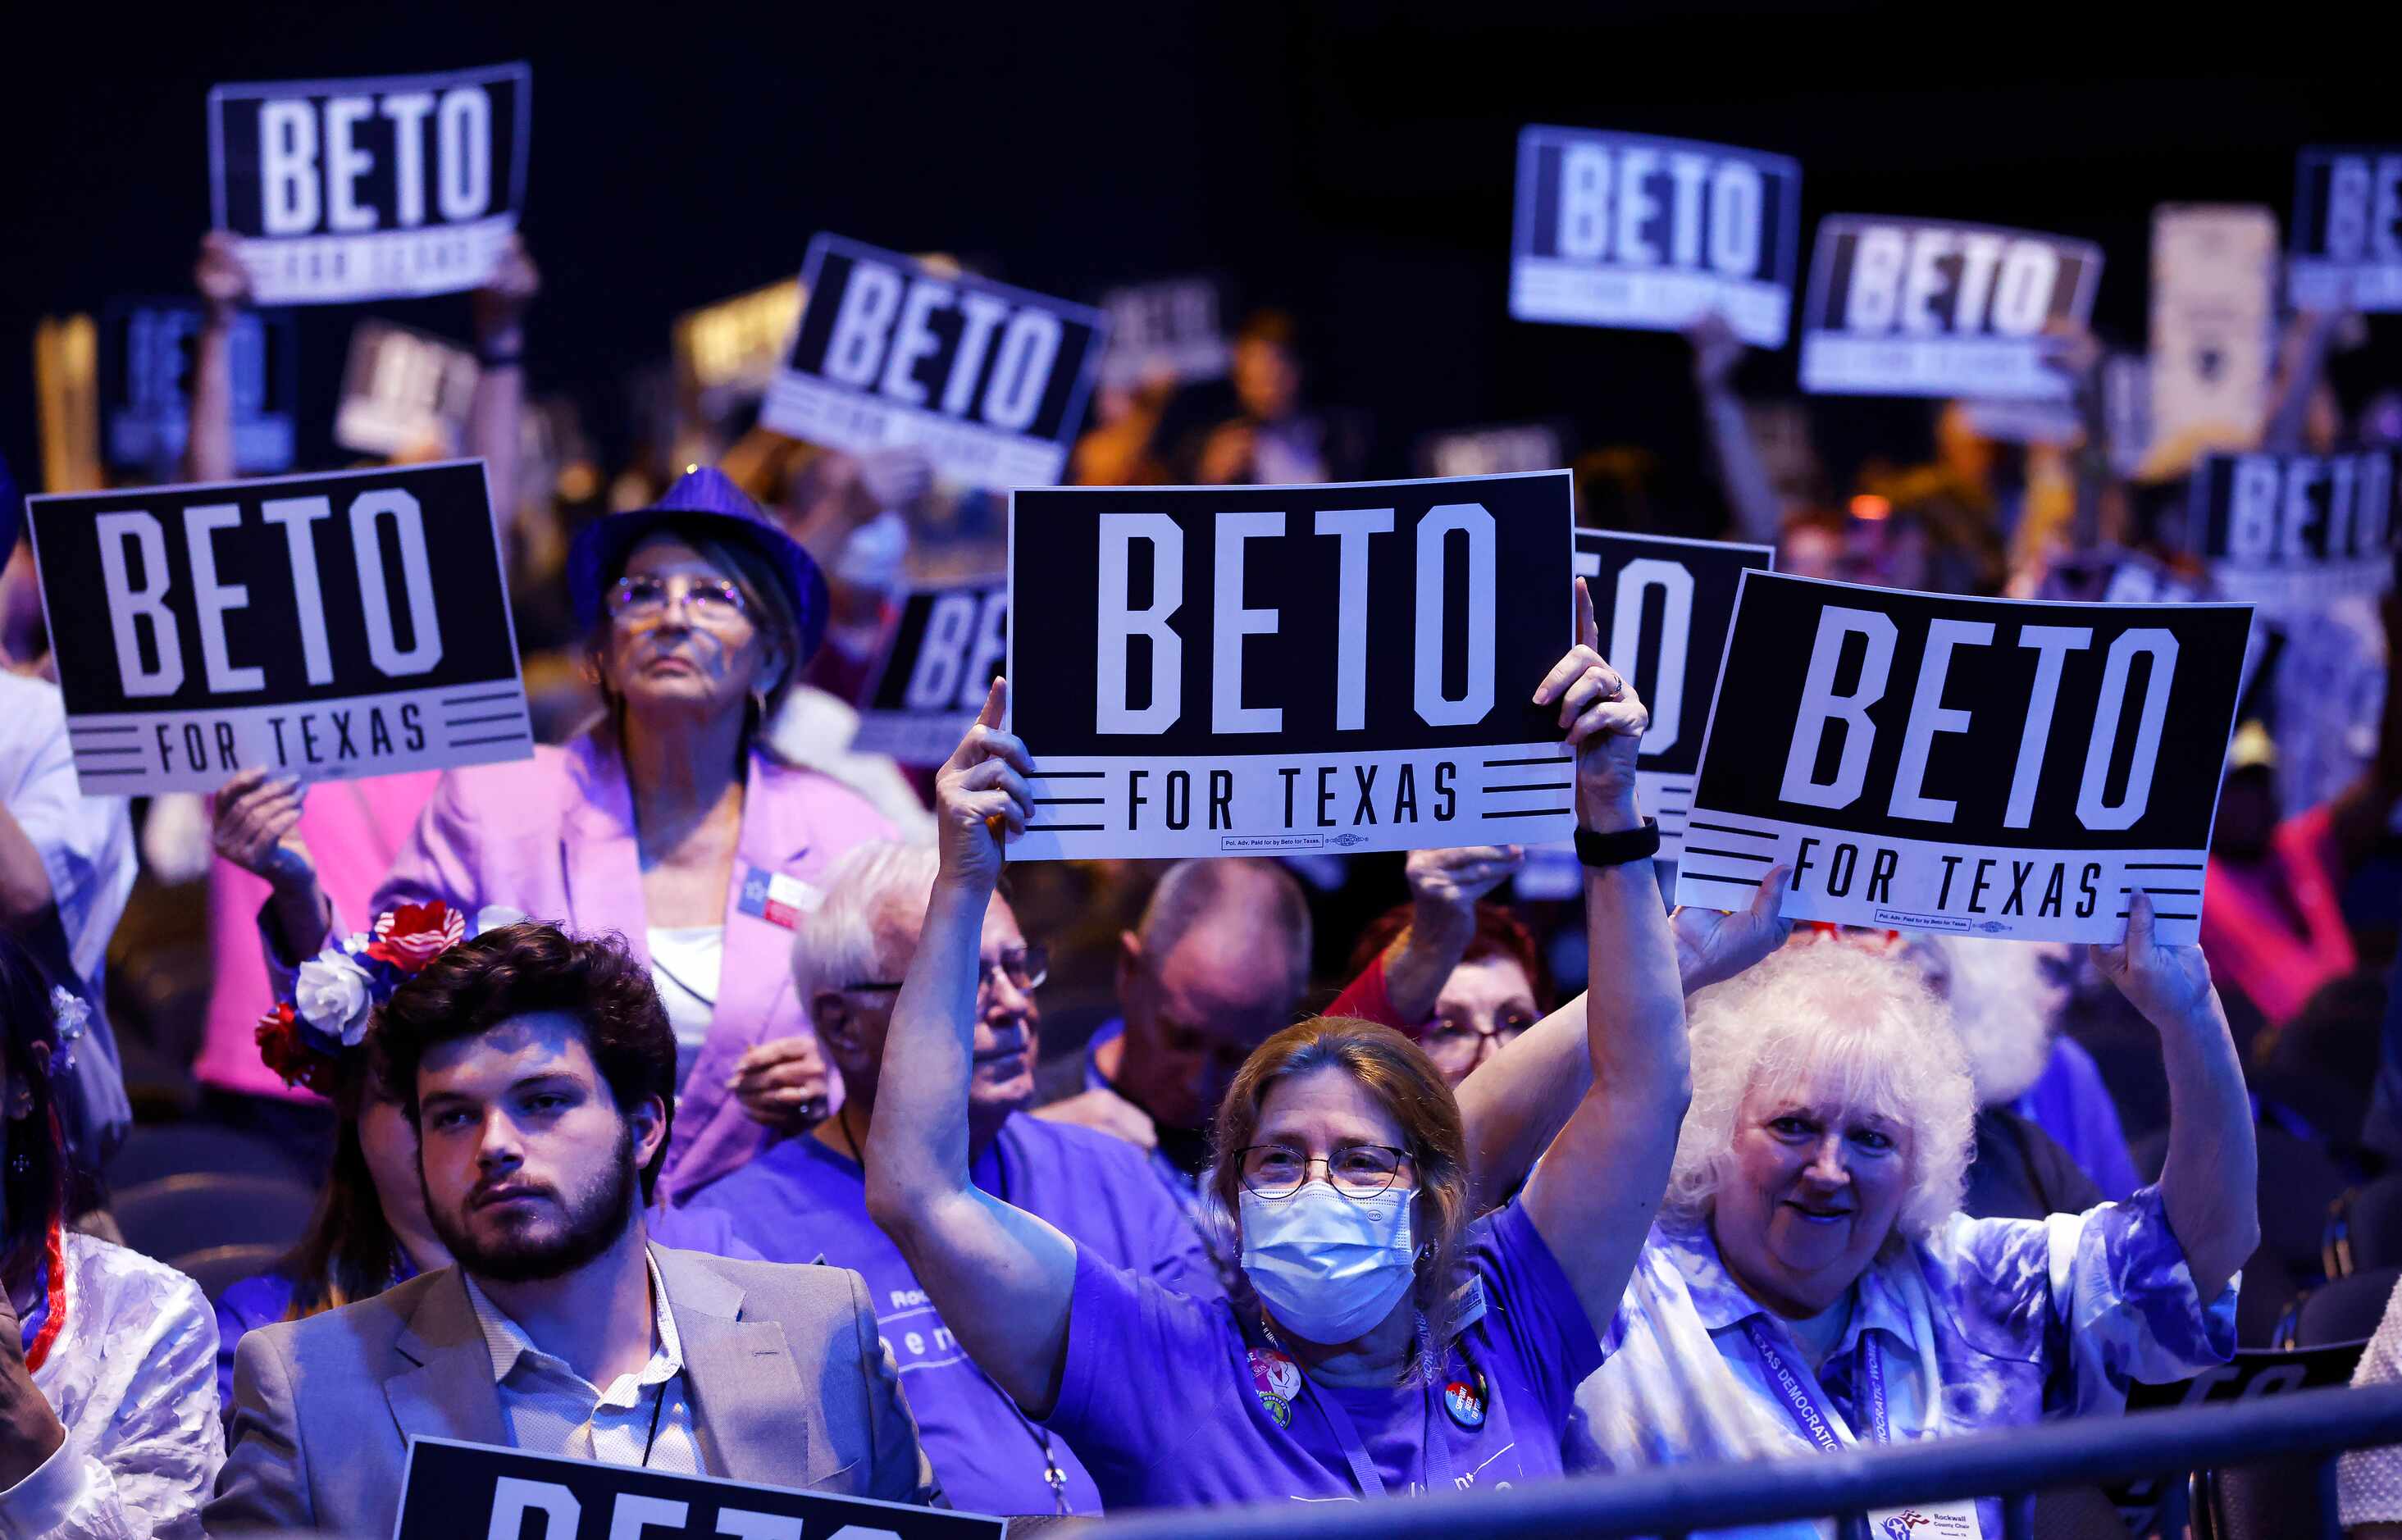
{"x":2345,"y":245}
{"x":1927,"y":307}
{"x":2246,"y":1377}
{"x":1170,"y":327}
{"x":1493,"y":451}
{"x":403,"y":391}
{"x":1664,"y":606}
{"x":2290,"y":532}
{"x":1623,"y":230}
{"x":344,"y":190}
{"x":327,"y":627}
{"x":938,"y":662}
{"x":2000,"y":768}
{"x":452,"y":1489}
{"x":146,"y":365}
{"x":989,"y":380}
{"x":1265,"y":670}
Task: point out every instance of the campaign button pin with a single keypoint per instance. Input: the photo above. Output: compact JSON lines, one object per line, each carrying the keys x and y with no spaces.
{"x":1278,"y":1408}
{"x":1275,"y":1373}
{"x":1466,"y":1407}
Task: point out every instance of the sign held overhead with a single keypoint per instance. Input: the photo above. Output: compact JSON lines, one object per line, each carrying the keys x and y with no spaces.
{"x":2000,"y":767}
{"x":326,"y":626}
{"x":147,"y":354}
{"x":1664,"y":606}
{"x":1623,"y":230}
{"x":2344,"y":247}
{"x":2291,"y":533}
{"x":1927,"y":307}
{"x":989,"y":380}
{"x":1259,"y":670}
{"x":938,"y":662}
{"x":345,"y":190}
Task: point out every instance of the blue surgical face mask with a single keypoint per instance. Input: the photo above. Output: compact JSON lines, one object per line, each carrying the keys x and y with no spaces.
{"x":1329,"y":1267}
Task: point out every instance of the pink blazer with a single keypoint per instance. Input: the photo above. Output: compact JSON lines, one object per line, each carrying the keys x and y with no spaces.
{"x":554,"y":836}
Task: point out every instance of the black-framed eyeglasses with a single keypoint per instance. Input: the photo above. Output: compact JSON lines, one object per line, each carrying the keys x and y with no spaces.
{"x":642,"y":596}
{"x":1446,"y":1033}
{"x":1356,"y":1171}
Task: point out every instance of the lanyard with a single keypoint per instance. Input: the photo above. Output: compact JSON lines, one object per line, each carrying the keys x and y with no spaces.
{"x":1794,"y":1390}
{"x":1434,"y":1452}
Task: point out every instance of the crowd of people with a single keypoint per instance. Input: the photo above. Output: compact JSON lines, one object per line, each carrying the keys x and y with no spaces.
{"x":1095,"y":1187}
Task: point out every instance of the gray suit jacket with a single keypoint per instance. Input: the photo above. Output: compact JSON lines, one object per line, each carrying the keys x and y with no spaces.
{"x":790,"y":1386}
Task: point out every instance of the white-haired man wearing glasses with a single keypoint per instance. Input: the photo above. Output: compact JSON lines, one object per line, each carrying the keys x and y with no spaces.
{"x":805,"y":1198}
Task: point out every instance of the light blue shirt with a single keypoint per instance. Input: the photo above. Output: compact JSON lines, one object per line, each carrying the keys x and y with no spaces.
{"x":1983,"y":1324}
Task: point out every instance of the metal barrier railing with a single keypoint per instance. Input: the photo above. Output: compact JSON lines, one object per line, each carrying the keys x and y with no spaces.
{"x":1677,"y":1500}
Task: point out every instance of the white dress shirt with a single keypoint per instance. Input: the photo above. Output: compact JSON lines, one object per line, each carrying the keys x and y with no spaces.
{"x":643,"y":1419}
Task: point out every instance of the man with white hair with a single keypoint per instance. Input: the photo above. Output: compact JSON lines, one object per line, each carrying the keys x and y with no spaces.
{"x":805,"y":1198}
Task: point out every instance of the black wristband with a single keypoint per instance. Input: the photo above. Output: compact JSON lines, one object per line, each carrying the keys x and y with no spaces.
{"x":499,"y":358}
{"x":1627,"y":845}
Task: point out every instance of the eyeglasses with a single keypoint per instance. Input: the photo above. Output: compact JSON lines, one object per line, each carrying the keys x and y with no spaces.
{"x":1025,"y":968}
{"x":1449,"y":1035}
{"x":709,"y":601}
{"x":1355,"y":1171}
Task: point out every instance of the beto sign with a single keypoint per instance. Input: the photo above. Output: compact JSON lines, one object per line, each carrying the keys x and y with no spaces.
{"x":346,"y":190}
{"x":2346,"y":243}
{"x":988,"y":380}
{"x":453,"y":1489}
{"x":937,"y":665}
{"x":2002,"y":767}
{"x":324,"y":627}
{"x":2292,"y":532}
{"x":1623,"y":229}
{"x":1258,"y":670}
{"x":1664,"y":606}
{"x":1925,"y":306}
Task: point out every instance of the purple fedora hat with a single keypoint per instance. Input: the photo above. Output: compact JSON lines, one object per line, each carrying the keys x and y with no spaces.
{"x":704,"y":496}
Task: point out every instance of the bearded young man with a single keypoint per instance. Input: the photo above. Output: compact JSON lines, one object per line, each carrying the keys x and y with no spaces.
{"x":540,"y":1069}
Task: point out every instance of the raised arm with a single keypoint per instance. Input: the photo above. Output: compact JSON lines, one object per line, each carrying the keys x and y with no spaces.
{"x":494,"y":411}
{"x":224,"y":286}
{"x":999,"y":1277}
{"x":1514,"y":1103}
{"x":2210,"y":1182}
{"x":1595,"y":1194}
{"x":1751,"y":496}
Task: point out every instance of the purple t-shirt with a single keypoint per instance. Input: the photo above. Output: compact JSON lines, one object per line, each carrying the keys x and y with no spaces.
{"x":802,"y":1202}
{"x":1160,"y":1400}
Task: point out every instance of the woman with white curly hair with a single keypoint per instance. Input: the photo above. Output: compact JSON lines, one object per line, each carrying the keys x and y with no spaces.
{"x":1811,"y":1283}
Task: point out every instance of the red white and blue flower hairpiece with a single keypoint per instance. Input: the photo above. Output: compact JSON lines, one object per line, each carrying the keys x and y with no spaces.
{"x":336,"y":993}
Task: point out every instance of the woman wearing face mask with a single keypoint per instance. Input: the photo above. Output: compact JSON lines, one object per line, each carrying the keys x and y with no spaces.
{"x":666,"y":820}
{"x":1811,"y":1283}
{"x":1385,"y":1344}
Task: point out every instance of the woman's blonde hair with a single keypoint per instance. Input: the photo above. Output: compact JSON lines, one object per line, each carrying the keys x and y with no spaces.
{"x":1826,"y":1015}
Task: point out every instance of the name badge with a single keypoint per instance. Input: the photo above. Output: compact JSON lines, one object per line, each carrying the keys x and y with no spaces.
{"x":1926,"y":1521}
{"x":777,"y":897}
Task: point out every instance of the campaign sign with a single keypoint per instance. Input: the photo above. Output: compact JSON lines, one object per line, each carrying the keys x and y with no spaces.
{"x":938,"y":663}
{"x":1664,"y":606}
{"x":404,"y":391}
{"x":2213,"y":312}
{"x":145,"y":367}
{"x":2345,"y":245}
{"x":989,"y":380}
{"x":452,"y":1489}
{"x":344,"y":190}
{"x":2246,"y":1377}
{"x":1997,"y":767}
{"x":1170,"y":327}
{"x":1623,"y":229}
{"x":1925,"y":306}
{"x":1266,"y":670}
{"x":1495,"y":452}
{"x":2291,"y":533}
{"x":727,"y":353}
{"x":326,"y":627}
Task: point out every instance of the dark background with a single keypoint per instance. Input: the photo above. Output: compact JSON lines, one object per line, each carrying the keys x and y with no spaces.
{"x":1354,"y":161}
